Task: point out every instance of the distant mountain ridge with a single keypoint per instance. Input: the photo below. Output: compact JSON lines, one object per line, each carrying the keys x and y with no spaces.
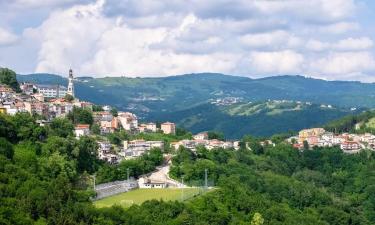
{"x":157,"y":96}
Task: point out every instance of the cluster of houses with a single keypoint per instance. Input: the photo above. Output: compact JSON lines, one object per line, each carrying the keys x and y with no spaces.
{"x":350,"y":143}
{"x":37,"y":99}
{"x":201,"y":139}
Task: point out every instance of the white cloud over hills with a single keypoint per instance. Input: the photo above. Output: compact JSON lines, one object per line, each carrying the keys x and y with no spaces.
{"x":157,"y":38}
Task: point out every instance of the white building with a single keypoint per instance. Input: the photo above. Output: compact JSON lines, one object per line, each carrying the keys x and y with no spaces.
{"x":148,"y":183}
{"x":350,"y":146}
{"x":51,"y":91}
{"x":82,"y":130}
{"x":168,"y":128}
{"x":137,"y":148}
{"x":128,"y":121}
{"x":201,"y":136}
{"x":151,"y":127}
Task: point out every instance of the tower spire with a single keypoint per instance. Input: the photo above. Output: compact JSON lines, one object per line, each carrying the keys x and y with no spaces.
{"x":70,"y":84}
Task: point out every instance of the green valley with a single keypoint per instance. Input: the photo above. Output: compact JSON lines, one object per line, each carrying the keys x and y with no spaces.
{"x":187,"y":100}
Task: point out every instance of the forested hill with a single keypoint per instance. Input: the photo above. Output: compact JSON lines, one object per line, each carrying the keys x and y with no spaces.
{"x":178,"y":92}
{"x":192,"y":95}
{"x":263,"y":118}
{"x":46,"y":178}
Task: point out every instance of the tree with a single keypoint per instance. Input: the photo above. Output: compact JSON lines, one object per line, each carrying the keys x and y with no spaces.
{"x":80,"y":115}
{"x":257,"y":219}
{"x":61,"y":127}
{"x":215,"y":135}
{"x":95,"y":128}
{"x":86,"y":153}
{"x":114,"y":111}
{"x":69,"y":98}
{"x":9,"y":78}
{"x":6,"y":148}
{"x":97,"y":108}
{"x":306,"y":145}
{"x":7,"y":128}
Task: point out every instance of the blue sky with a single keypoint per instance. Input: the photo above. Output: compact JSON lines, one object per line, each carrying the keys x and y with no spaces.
{"x":331,"y":40}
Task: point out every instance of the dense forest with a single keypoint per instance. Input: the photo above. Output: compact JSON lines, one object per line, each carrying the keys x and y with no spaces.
{"x":353,"y":123}
{"x":45,"y":178}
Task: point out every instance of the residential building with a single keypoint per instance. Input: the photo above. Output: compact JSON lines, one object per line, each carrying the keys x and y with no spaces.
{"x":82,"y":130}
{"x":137,"y":148}
{"x":51,"y":91}
{"x":350,"y":146}
{"x":168,"y":128}
{"x":201,"y":136}
{"x":128,"y":121}
{"x":147,"y":127}
{"x":5,"y":89}
{"x":151,"y":127}
{"x":27,"y":88}
{"x":310,"y":135}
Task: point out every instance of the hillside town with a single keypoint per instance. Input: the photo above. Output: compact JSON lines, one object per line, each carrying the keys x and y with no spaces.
{"x":50,"y":101}
{"x":319,"y":137}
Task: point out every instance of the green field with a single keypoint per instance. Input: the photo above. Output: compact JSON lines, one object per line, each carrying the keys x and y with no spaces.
{"x":139,"y":196}
{"x":371,"y":123}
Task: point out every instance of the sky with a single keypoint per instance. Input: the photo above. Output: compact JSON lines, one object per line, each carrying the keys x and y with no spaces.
{"x":327,"y":39}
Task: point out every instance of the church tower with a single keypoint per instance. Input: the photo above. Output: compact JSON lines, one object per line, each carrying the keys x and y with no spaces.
{"x":70,"y":85}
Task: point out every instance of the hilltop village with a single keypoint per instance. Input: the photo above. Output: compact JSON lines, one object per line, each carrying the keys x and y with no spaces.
{"x":55,"y":101}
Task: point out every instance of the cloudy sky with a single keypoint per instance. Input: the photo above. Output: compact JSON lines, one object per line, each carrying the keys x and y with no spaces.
{"x":326,"y":39}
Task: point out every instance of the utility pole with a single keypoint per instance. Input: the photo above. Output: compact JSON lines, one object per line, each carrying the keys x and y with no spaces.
{"x":127,"y":173}
{"x":205,"y":179}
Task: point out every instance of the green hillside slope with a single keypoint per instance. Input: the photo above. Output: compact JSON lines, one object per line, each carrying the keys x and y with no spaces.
{"x":259,"y":119}
{"x":185,"y":99}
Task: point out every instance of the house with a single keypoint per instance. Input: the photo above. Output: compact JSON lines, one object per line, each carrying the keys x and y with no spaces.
{"x":5,"y":89}
{"x":38,"y":97}
{"x":100,"y":116}
{"x":142,"y":128}
{"x":109,"y":126}
{"x":128,"y":121}
{"x":201,"y":136}
{"x":27,"y":88}
{"x":82,"y":130}
{"x":168,"y":128}
{"x":310,"y":135}
{"x":151,"y":127}
{"x":137,"y":148}
{"x":350,"y":146}
{"x":148,"y":183}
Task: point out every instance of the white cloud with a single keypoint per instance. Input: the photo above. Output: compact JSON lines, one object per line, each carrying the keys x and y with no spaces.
{"x":338,"y":28}
{"x":271,"y":40}
{"x":7,"y":37}
{"x":353,"y":44}
{"x":348,"y":44}
{"x":157,"y":37}
{"x":68,"y":39}
{"x":344,"y":63}
{"x":280,"y":62}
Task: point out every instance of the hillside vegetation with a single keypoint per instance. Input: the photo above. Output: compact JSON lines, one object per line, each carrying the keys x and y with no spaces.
{"x":259,"y":118}
{"x":164,"y":98}
{"x":45,"y":178}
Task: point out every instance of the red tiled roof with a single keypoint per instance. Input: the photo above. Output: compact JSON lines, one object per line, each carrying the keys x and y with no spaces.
{"x":82,"y":126}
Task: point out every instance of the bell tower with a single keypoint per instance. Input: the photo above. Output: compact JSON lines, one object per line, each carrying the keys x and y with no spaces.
{"x":70,"y":85}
